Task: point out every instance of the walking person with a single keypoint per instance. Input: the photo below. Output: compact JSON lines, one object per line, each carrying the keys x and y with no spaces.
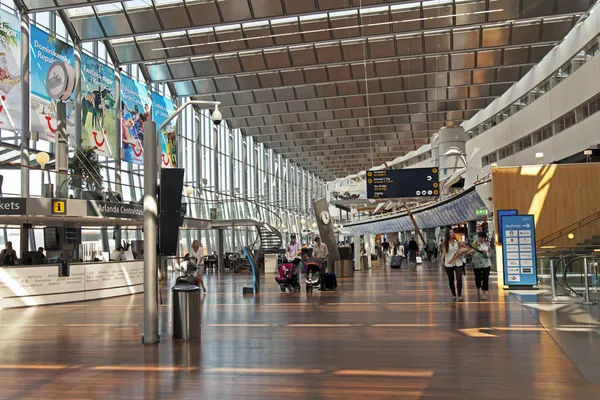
{"x":413,"y":250}
{"x":430,"y":250}
{"x":452,"y":259}
{"x":197,"y":256}
{"x":385,"y":253}
{"x":482,"y":265}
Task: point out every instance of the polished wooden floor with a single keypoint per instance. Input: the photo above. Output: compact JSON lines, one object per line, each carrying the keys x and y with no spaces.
{"x":382,"y":335}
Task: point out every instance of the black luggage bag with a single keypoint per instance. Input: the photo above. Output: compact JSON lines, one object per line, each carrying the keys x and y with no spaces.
{"x":396,"y":262}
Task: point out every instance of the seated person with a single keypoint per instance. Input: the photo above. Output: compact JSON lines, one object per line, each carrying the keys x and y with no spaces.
{"x":8,"y":256}
{"x":42,"y":255}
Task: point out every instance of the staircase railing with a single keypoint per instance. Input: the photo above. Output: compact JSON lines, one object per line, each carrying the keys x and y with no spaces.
{"x":569,"y":229}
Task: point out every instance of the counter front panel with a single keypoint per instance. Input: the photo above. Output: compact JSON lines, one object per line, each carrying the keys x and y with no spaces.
{"x":40,"y":284}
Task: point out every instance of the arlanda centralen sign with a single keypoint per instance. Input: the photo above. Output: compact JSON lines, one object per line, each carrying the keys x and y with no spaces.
{"x":115,"y":210}
{"x":407,"y":183}
{"x":13,"y":206}
{"x":518,"y":250}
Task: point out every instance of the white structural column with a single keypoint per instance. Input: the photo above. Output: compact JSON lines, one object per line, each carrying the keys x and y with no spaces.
{"x":357,"y":254}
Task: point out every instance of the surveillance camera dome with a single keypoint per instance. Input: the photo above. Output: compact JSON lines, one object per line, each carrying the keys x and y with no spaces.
{"x":217,"y":117}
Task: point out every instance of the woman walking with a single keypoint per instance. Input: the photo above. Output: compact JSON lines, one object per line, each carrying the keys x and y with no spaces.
{"x":481,"y":265}
{"x":452,"y":258}
{"x":197,"y":252}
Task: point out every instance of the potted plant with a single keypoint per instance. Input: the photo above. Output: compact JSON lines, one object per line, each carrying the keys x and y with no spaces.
{"x":85,"y":171}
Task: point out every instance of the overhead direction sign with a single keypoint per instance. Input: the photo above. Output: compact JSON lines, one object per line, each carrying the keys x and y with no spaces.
{"x":402,"y":183}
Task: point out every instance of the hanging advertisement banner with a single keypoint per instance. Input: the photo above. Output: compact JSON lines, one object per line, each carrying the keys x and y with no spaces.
{"x":162,"y":108}
{"x":98,"y":108}
{"x":135,"y":110}
{"x":45,"y":50}
{"x":10,"y":71}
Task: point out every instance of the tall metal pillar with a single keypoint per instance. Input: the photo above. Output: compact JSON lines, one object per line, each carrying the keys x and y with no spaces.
{"x":117,"y":144}
{"x":198,"y":151}
{"x":77,"y":110}
{"x":25,"y":123}
{"x":150,"y":232}
{"x":217,"y":186}
{"x":25,"y":105}
{"x":62,"y":152}
{"x":244,"y":187}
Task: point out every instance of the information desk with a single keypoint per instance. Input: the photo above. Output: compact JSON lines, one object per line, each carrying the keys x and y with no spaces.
{"x":35,"y":285}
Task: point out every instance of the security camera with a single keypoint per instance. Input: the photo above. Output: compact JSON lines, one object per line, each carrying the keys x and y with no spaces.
{"x":216,"y":116}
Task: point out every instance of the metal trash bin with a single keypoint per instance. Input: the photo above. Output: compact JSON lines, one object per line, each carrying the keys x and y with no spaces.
{"x":348,"y":268}
{"x":344,"y":268}
{"x":364,"y":261}
{"x":338,"y":269}
{"x":186,"y":311}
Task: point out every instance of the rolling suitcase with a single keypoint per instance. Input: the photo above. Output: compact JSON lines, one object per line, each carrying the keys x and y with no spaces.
{"x":330,"y":281}
{"x":396,"y":262}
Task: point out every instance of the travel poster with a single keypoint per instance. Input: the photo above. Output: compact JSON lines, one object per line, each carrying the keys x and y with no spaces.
{"x":98,"y":108}
{"x":10,"y":71}
{"x":45,"y":50}
{"x":162,"y":108}
{"x":135,"y":111}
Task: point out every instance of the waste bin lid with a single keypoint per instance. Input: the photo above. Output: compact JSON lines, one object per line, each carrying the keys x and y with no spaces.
{"x":184,"y":287}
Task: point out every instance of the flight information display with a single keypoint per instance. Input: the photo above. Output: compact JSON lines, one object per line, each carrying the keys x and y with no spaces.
{"x":403,"y":183}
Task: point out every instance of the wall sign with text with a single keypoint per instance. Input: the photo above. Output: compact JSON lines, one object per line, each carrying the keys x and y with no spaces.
{"x":13,"y":206}
{"x":114,"y":210}
{"x":518,"y":250}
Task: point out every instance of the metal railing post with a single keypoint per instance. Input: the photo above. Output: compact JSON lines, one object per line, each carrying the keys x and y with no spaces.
{"x":586,"y":278}
{"x":553,"y":281}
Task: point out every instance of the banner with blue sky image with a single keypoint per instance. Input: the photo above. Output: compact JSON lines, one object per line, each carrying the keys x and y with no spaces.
{"x":98,"y":108}
{"x":162,"y":108}
{"x":10,"y":71}
{"x":135,"y":108}
{"x":44,"y":51}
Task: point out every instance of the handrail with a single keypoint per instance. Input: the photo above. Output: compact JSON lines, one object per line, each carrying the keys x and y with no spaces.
{"x":575,"y":225}
{"x":566,"y":270}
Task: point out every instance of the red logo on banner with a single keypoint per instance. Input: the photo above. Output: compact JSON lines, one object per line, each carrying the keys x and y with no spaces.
{"x":48,"y":119}
{"x":137,"y":154}
{"x":165,"y":160}
{"x":2,"y":105}
{"x":98,"y":143}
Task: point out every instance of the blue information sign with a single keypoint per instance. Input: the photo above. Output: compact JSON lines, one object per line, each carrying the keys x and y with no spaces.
{"x":518,"y":250}
{"x":502,"y":213}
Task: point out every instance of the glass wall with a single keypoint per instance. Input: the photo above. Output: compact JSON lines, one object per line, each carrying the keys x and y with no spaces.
{"x":236,"y":175}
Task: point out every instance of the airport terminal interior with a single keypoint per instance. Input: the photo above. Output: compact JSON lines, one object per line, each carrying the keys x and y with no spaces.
{"x":302,"y":199}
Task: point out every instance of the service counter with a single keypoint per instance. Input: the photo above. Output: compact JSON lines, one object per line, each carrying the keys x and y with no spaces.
{"x":33,"y":285}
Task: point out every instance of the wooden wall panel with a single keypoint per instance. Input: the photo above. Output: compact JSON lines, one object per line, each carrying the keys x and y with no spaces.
{"x":558,"y":195}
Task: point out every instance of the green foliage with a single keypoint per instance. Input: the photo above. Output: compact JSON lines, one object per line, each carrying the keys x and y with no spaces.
{"x":85,"y":170}
{"x":6,"y":37}
{"x":60,"y":46}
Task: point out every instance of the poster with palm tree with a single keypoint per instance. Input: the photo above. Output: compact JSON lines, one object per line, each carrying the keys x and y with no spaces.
{"x":98,"y":108}
{"x":10,"y":71}
{"x":162,"y":108}
{"x":135,"y":110}
{"x":45,"y":50}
